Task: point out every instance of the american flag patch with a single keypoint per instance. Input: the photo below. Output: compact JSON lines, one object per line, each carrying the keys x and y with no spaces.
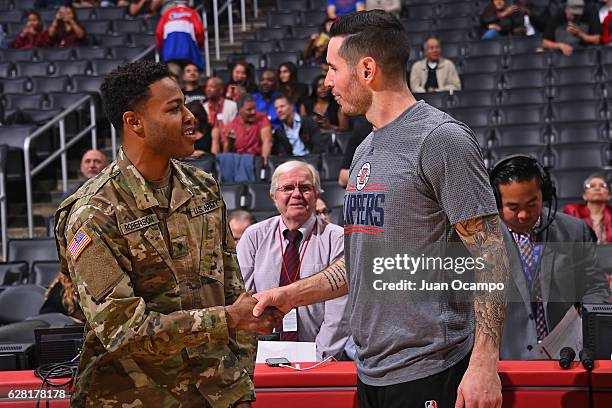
{"x":78,"y":243}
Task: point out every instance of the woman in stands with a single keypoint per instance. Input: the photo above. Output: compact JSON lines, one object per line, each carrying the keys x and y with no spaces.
{"x":208,"y":137}
{"x":33,"y":35}
{"x":595,"y":212}
{"x":61,"y":298}
{"x":289,"y":85}
{"x":65,"y":30}
{"x":242,"y":81}
{"x":316,"y":49}
{"x":323,"y":109}
{"x":499,"y":20}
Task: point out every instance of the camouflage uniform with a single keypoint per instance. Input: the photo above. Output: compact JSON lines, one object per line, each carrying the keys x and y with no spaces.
{"x":156,"y":332}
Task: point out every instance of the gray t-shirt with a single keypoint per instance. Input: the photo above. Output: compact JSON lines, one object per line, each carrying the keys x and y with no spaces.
{"x":410,"y":182}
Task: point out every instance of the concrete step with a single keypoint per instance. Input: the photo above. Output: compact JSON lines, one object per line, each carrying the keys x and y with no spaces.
{"x":18,"y":233}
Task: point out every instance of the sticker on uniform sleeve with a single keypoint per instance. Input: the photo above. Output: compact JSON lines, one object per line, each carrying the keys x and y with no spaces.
{"x":204,"y":208}
{"x":78,"y":243}
{"x":138,"y":224}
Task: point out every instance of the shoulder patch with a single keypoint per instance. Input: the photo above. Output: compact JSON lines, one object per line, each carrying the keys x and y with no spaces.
{"x":138,"y":224}
{"x":78,"y":243}
{"x":205,"y":208}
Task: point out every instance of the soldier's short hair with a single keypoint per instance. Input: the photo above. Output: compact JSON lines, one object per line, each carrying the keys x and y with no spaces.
{"x":127,"y":85}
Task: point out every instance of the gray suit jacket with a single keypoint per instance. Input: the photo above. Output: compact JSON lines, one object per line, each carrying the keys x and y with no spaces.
{"x":569,"y":273}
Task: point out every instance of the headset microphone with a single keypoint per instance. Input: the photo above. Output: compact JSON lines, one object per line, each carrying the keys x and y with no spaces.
{"x":587,"y":359}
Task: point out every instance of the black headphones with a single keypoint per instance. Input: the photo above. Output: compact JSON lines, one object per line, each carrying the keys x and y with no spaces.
{"x":549,"y":191}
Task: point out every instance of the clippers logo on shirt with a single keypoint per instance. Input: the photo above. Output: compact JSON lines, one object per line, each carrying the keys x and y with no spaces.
{"x":363,"y":210}
{"x":431,"y":404}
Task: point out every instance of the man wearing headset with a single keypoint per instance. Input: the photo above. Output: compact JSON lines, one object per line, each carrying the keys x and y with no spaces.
{"x":552,"y":256}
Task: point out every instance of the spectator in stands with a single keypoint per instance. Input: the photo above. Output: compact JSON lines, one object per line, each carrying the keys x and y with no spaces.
{"x":289,"y":85}
{"x":316,"y":49}
{"x":545,"y":283}
{"x":239,"y":221}
{"x":296,"y":136}
{"x":65,"y":30}
{"x":207,"y":136}
{"x":220,"y":110}
{"x":390,"y":6}
{"x":242,"y":81}
{"x":604,"y":10}
{"x":322,"y":211}
{"x":61,"y":298}
{"x":146,"y":8}
{"x":338,"y":8}
{"x":33,"y":35}
{"x":292,"y":246}
{"x":605,"y":16}
{"x":3,"y":43}
{"x":179,"y":36}
{"x":92,"y":163}
{"x":322,"y":108}
{"x":499,"y":20}
{"x":434,"y":73}
{"x":250,"y":132}
{"x":268,"y":91}
{"x":361,"y":129}
{"x":575,"y":25}
{"x":595,"y":212}
{"x":534,"y":20}
{"x":192,"y":89}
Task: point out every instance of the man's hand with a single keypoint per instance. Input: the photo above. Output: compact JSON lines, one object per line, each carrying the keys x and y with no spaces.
{"x":573,"y":29}
{"x":480,"y":386}
{"x":566,"y":49}
{"x":277,"y":297}
{"x":240,"y":315}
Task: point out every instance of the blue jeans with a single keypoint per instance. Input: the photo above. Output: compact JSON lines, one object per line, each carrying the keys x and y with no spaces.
{"x":490,"y":34}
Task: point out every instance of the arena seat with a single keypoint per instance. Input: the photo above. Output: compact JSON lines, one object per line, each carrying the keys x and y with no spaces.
{"x":87,"y":53}
{"x":292,"y":5}
{"x":423,"y":12}
{"x":332,"y":193}
{"x":259,"y":197}
{"x":517,"y":135}
{"x":418,"y":26}
{"x":293,"y":44}
{"x":15,"y":85}
{"x":488,"y":64}
{"x":455,"y":9}
{"x":532,"y":61}
{"x":479,"y":82}
{"x":282,"y":19}
{"x":580,"y":155}
{"x":482,"y":48}
{"x":579,"y":132}
{"x":20,"y":302}
{"x":24,"y":101}
{"x":525,"y":79}
{"x":104,"y":66}
{"x":31,"y":250}
{"x":234,"y":195}
{"x":79,"y":67}
{"x":308,"y":74}
{"x":44,"y":84}
{"x":259,"y":47}
{"x":524,"y":96}
{"x":110,"y":13}
{"x":522,"y":115}
{"x":274,"y":59}
{"x":578,"y":112}
{"x":587,"y":57}
{"x":437,"y":99}
{"x":127,"y":26}
{"x":97,"y":27}
{"x":55,"y":54}
{"x":267,"y":34}
{"x":303,"y":31}
{"x":43,"y":273}
{"x":577,"y":75}
{"x":330,"y":166}
{"x":313,"y":17}
{"x":33,"y":68}
{"x":12,"y":273}
{"x":473,"y":117}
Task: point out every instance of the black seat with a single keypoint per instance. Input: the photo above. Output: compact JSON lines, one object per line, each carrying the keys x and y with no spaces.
{"x":522,"y":115}
{"x":522,"y":45}
{"x":87,"y":53}
{"x":32,"y":68}
{"x":111,"y":40}
{"x":524,"y":96}
{"x":86,"y":83}
{"x":292,"y":5}
{"x":40,"y":116}
{"x":446,"y":36}
{"x":63,"y":100}
{"x":454,"y":22}
{"x":422,"y":12}
{"x":110,"y":13}
{"x":466,"y":99}
{"x":479,"y":82}
{"x":258,"y":47}
{"x":318,"y":4}
{"x":604,"y":256}
{"x":489,"y":47}
{"x":128,"y":26}
{"x":15,"y":85}
{"x":21,"y":332}
{"x":578,"y":132}
{"x":522,"y":135}
{"x":579,"y":58}
{"x":473,"y":117}
{"x":280,"y":19}
{"x":31,"y":250}
{"x":337,"y":215}
{"x":6,"y":69}
{"x":331,"y":165}
{"x":234,"y":195}
{"x":483,"y":136}
{"x":18,"y":55}
{"x":418,"y":26}
{"x":313,"y":17}
{"x":452,"y":10}
{"x":254,"y":59}
{"x":303,"y":31}
{"x":24,"y":101}
{"x":293,"y":44}
{"x":43,"y":273}
{"x":12,"y":273}
{"x":437,"y":99}
{"x":104,"y":66}
{"x":126,"y":53}
{"x":50,"y":84}
{"x":84,"y":14}
{"x":499,"y":152}
{"x":570,"y":183}
{"x":267,"y":34}
{"x":572,"y":76}
{"x":474,"y":65}
{"x":259,"y":197}
{"x":582,"y":92}
{"x":525,"y":79}
{"x":580,"y":155}
{"x":20,"y":302}
{"x":14,"y":136}
{"x":141,"y":40}
{"x":530,"y":61}
{"x":264,"y":214}
{"x":308,"y":74}
{"x":332,"y":193}
{"x":578,"y":112}
{"x":342,"y":139}
{"x":55,"y":54}
{"x":97,"y":27}
{"x":275,"y":161}
{"x":71,"y":67}
{"x":606,"y":56}
{"x":274,"y":59}
{"x":205,"y":162}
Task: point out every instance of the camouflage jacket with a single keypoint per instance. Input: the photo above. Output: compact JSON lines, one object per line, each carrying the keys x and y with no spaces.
{"x":156,"y":333}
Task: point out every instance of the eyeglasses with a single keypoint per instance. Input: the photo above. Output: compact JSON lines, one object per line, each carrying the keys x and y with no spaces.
{"x":288,"y":189}
{"x":596,"y":185}
{"x":324,"y":211}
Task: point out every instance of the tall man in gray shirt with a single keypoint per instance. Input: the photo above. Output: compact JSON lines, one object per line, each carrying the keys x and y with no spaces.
{"x":417,"y":185}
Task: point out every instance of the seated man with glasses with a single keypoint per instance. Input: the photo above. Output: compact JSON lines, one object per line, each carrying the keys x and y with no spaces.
{"x":294,"y":245}
{"x":595,"y":212}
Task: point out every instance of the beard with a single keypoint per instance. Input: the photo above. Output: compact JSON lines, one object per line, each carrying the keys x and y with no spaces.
{"x":357,"y":99}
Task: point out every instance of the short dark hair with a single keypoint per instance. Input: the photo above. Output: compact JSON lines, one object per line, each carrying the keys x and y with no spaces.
{"x":517,"y":169}
{"x":128,"y":85}
{"x":244,"y":98}
{"x":281,"y":96}
{"x":375,"y":34}
{"x":272,"y":70}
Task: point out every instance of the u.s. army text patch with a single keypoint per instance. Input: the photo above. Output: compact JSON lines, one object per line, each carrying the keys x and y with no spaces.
{"x":138,"y":224}
{"x":204,"y":208}
{"x":78,"y":243}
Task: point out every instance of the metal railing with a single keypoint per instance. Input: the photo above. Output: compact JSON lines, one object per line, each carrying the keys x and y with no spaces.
{"x":227,"y":6}
{"x":3,"y":159}
{"x":60,"y":120}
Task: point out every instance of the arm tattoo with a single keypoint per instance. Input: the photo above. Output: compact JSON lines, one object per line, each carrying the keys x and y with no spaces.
{"x":483,"y":237}
{"x":336,"y":275}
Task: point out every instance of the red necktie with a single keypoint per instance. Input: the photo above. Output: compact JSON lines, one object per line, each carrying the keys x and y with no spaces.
{"x":291,"y":261}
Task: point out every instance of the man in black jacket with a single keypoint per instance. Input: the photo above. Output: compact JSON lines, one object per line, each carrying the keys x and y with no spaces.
{"x":297,"y":136}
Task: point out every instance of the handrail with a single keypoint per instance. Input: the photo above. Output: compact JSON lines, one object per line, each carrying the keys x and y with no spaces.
{"x":60,"y":120}
{"x":3,"y":211}
{"x":230,"y":22}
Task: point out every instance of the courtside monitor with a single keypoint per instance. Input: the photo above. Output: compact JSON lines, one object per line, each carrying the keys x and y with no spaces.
{"x":597,"y":330}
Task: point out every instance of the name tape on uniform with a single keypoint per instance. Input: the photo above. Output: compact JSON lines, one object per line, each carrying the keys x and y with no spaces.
{"x":138,"y":224}
{"x":78,"y":243}
{"x":204,"y":208}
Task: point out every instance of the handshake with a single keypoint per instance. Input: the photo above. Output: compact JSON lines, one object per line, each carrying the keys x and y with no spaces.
{"x":246,"y":314}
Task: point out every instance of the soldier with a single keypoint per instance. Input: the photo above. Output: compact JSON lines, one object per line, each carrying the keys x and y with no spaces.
{"x":148,"y":248}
